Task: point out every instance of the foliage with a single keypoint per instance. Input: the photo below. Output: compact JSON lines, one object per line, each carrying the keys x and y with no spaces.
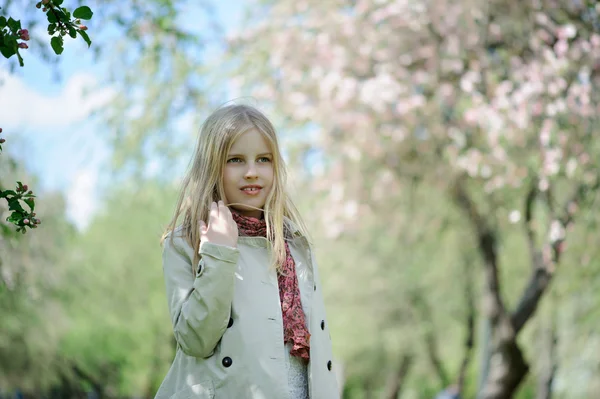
{"x":19,"y":216}
{"x":119,"y":330}
{"x":392,"y":113}
{"x":30,"y":278}
{"x":490,"y":105}
{"x":60,"y":24}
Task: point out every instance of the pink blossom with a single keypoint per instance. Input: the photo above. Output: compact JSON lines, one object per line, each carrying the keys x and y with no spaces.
{"x":24,"y":34}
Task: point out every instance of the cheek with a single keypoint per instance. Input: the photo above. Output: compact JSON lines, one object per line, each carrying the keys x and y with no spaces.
{"x":269,"y":172}
{"x":228,"y":178}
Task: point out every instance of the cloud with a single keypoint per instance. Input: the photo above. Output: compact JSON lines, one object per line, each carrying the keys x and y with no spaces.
{"x":82,"y":200}
{"x":23,"y":105}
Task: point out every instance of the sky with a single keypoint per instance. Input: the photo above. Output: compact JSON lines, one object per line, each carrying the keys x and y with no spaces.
{"x":46,"y":121}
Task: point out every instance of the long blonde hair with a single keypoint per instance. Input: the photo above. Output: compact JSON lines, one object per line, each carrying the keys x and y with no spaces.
{"x":203,"y":182}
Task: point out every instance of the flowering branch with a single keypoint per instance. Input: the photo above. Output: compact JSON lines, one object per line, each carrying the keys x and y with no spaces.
{"x":19,"y":216}
{"x":60,"y":23}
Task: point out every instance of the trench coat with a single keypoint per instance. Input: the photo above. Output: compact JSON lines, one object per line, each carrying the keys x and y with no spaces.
{"x":228,"y":324}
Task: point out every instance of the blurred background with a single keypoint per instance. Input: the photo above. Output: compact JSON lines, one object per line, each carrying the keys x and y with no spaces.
{"x":445,"y":155}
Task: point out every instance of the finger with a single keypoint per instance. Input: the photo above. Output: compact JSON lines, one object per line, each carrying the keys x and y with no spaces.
{"x":214,"y":213}
{"x":203,"y":227}
{"x":223,"y":211}
{"x":226,"y":211}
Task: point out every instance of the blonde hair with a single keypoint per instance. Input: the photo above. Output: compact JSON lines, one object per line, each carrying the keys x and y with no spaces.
{"x":203,"y":182}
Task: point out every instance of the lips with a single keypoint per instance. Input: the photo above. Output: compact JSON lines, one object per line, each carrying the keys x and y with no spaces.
{"x":251,"y":189}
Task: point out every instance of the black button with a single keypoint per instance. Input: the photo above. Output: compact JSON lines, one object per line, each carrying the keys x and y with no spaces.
{"x":315,"y":287}
{"x":328,"y":364}
{"x":227,"y":361}
{"x":230,"y":322}
{"x":322,"y":324}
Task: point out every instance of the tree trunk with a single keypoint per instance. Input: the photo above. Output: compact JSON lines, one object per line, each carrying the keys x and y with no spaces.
{"x":470,"y":325}
{"x":507,"y":366}
{"x":397,"y":379}
{"x":548,"y":366}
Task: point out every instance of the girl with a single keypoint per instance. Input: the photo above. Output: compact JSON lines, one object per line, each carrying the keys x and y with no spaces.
{"x":242,"y":283}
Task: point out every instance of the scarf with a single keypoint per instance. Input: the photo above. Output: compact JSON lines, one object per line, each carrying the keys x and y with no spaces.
{"x":294,"y":322}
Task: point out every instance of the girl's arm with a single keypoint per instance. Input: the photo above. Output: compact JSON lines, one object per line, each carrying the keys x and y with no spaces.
{"x":199,"y":304}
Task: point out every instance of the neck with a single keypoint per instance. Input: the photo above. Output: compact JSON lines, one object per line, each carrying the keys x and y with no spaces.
{"x":259,"y":215}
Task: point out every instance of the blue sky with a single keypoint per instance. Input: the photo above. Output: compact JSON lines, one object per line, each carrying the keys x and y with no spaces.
{"x":46,"y":121}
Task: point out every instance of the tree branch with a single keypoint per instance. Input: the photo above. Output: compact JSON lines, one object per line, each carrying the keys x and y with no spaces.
{"x":424,"y":311}
{"x":531,"y":239}
{"x":550,"y":257}
{"x":398,"y":378}
{"x":486,"y":239}
{"x":470,"y":324}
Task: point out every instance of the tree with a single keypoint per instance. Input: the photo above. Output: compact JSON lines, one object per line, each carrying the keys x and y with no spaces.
{"x":493,"y":102}
{"x":60,"y":23}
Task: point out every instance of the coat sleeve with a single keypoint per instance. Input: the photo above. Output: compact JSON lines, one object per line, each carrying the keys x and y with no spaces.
{"x":200,"y":300}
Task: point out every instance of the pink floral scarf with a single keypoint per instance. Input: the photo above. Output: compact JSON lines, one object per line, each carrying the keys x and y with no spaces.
{"x":294,"y":322}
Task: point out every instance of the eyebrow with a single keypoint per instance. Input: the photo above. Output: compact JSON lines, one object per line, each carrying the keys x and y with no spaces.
{"x":258,"y":155}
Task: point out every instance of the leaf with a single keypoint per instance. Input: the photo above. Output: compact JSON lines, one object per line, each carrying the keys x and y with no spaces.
{"x":72,"y":32}
{"x":57,"y":44}
{"x":2,"y":21}
{"x":51,"y":17}
{"x":58,"y":2}
{"x":85,"y":37}
{"x":8,"y":51}
{"x":15,"y":205}
{"x":14,"y":25}
{"x":83,"y":12}
{"x":30,"y":202}
{"x":13,"y":218}
{"x":7,"y":193}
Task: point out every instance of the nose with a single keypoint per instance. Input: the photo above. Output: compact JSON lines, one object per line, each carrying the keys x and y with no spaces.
{"x":251,"y":172}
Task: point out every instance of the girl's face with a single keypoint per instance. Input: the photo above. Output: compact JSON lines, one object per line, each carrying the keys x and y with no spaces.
{"x":248,"y":173}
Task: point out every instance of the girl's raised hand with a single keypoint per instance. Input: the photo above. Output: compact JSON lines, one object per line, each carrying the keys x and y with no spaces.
{"x":221,"y":229}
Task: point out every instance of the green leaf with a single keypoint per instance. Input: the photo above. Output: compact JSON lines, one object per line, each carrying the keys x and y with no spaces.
{"x":51,"y":17}
{"x":83,"y":12}
{"x":6,"y":193}
{"x":2,"y":21}
{"x":30,"y":202}
{"x":58,"y":2}
{"x":8,"y":51}
{"x":14,"y":25}
{"x":62,"y":16}
{"x":13,"y":218}
{"x":85,"y":37}
{"x":57,"y":44}
{"x":72,"y":32}
{"x":15,"y":205}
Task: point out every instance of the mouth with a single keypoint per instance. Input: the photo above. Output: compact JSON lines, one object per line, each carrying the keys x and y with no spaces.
{"x":251,"y":189}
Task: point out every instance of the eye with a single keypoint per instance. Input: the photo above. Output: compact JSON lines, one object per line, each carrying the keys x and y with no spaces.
{"x":234,"y":160}
{"x":264,"y":159}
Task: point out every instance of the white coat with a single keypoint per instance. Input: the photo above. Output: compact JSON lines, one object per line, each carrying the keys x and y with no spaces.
{"x":228,"y":324}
